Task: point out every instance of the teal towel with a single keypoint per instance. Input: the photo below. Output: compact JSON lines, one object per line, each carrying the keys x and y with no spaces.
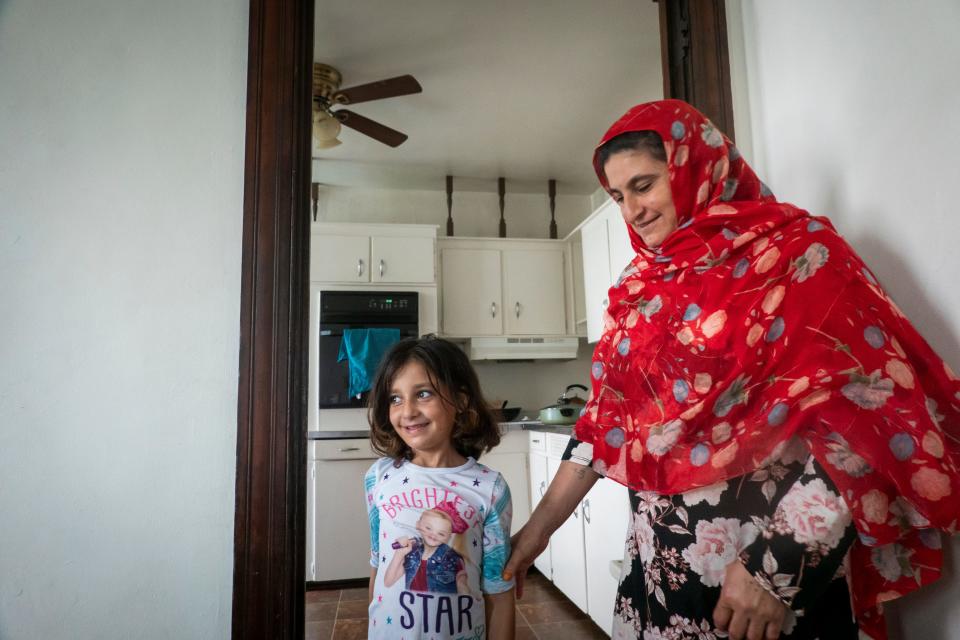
{"x":363,"y":349}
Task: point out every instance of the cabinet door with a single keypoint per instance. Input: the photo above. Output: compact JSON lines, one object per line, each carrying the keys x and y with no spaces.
{"x":401,"y":259}
{"x":513,"y":466}
{"x":342,"y":527}
{"x":471,"y":292}
{"x":606,"y":514}
{"x":538,"y":486}
{"x":596,"y":274}
{"x":621,"y":251}
{"x":566,"y":549}
{"x":340,"y":258}
{"x":533,"y":292}
{"x":311,"y":521}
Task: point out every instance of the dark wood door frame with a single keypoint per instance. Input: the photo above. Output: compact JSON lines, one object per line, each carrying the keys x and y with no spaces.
{"x":268,"y":581}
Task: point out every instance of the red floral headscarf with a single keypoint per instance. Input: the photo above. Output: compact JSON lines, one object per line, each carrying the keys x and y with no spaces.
{"x":752,"y":323}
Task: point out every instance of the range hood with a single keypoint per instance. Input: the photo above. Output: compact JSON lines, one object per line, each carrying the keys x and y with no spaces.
{"x":506,"y":348}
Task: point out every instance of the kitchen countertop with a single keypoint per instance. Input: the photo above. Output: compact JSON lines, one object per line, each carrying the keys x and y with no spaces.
{"x":506,"y":427}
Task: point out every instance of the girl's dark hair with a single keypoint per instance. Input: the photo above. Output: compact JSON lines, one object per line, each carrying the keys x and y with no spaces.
{"x":649,"y":141}
{"x":475,"y":431}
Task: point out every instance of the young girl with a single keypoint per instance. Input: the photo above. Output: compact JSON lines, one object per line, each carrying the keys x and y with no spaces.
{"x":438,"y":518}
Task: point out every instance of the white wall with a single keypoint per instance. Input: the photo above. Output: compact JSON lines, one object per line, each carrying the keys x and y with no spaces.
{"x":122,"y":127}
{"x":475,"y":213}
{"x":852,"y":110}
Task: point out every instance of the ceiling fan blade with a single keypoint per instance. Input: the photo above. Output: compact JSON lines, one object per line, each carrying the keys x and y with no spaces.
{"x":371,"y":128}
{"x":389,"y":88}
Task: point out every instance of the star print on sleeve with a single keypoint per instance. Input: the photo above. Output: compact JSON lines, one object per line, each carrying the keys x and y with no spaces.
{"x":476,"y":483}
{"x":453,"y":483}
{"x":386,"y":475}
{"x":406,"y":480}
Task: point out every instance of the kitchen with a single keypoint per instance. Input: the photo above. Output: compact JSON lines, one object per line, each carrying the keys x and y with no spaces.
{"x":517,"y":301}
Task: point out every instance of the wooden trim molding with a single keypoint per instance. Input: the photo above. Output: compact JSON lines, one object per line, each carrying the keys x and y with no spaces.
{"x":696,"y":66}
{"x":268,"y":579}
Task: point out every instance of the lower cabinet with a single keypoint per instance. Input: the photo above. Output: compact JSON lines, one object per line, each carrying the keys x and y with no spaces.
{"x":538,"y":486}
{"x":606,"y":516}
{"x":566,"y":550}
{"x":338,"y":529}
{"x":583,"y":556}
{"x":510,"y":459}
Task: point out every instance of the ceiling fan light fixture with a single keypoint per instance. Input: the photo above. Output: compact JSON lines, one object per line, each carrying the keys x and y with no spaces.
{"x":326,"y":128}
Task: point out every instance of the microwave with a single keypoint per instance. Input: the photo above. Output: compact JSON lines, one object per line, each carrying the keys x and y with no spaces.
{"x":340,"y":310}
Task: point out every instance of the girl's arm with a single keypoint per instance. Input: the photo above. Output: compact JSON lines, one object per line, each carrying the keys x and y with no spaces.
{"x":500,"y":612}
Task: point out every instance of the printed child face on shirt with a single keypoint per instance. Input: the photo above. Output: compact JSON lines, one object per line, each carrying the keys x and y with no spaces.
{"x":434,"y":528}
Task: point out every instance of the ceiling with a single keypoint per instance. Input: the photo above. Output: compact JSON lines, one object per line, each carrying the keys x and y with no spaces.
{"x":517,"y":89}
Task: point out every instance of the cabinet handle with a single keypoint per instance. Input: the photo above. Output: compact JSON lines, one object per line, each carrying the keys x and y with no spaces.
{"x":543,"y":487}
{"x":537,"y":441}
{"x":359,"y":267}
{"x":585,"y":507}
{"x":381,"y":268}
{"x":603,"y":305}
{"x":517,"y":308}
{"x":345,"y":449}
{"x":493,"y":309}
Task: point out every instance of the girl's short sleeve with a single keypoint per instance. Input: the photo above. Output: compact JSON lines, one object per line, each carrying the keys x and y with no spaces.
{"x":373,"y":512}
{"x":496,"y":540}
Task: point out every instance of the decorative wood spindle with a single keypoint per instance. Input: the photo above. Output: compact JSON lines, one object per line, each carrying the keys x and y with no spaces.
{"x":502,"y":186}
{"x":553,"y":198}
{"x":315,"y":196}
{"x":449,"y":205}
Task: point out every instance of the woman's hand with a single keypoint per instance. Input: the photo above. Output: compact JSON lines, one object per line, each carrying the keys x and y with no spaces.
{"x":745,"y":609}
{"x":525,"y":546}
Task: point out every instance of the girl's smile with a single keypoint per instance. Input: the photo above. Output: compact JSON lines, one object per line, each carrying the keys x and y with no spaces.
{"x":422,"y":417}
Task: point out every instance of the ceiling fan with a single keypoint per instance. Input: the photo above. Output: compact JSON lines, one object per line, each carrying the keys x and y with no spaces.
{"x":328,"y":94}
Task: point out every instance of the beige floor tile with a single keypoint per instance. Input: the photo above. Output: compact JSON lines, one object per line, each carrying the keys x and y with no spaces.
{"x":569,"y":630}
{"x":358,"y":593}
{"x":318,"y":630}
{"x":350,"y":629}
{"x":322,"y":595}
{"x":353,"y":609}
{"x":317,"y":611}
{"x":542,"y":612}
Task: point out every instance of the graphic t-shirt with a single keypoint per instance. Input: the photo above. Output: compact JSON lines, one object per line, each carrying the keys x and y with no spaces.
{"x":439,"y":539}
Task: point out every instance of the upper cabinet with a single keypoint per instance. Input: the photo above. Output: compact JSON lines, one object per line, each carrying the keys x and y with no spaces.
{"x":606,"y":252}
{"x":373,"y":253}
{"x":493,"y":287}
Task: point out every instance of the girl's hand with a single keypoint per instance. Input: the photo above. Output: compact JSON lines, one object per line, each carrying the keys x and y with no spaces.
{"x":406,"y":546}
{"x":525,"y":546}
{"x":745,"y":609}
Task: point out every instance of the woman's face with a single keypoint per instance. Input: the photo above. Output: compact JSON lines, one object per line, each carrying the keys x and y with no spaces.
{"x":640,"y":184}
{"x":434,"y":529}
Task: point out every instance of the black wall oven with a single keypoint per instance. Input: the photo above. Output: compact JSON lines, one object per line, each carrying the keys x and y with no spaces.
{"x":341,"y":310}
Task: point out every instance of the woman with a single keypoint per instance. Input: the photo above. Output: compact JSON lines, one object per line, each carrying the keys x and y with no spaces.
{"x":790,"y":438}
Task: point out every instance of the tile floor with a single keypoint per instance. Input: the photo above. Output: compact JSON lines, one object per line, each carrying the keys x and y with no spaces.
{"x":544,"y":612}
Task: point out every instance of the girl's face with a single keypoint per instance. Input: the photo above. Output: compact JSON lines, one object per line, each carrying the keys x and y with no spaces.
{"x":421,"y":417}
{"x":434,"y":529}
{"x":640,"y":184}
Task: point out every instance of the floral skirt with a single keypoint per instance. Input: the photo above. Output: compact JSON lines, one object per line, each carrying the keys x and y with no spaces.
{"x":785,"y":522}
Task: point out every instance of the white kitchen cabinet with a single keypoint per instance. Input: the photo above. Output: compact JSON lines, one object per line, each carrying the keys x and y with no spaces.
{"x":472,"y":300}
{"x":340,"y":258}
{"x":510,"y":459}
{"x":337,"y":525}
{"x":378,"y":254}
{"x":494,"y":287}
{"x":566,"y":551}
{"x":405,"y":259}
{"x":606,"y":515}
{"x":606,"y":252}
{"x":538,"y":486}
{"x":533,"y":292}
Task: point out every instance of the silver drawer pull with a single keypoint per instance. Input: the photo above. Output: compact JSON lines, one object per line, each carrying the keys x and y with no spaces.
{"x":381,"y":268}
{"x":346,"y":449}
{"x":493,"y":309}
{"x":585,"y":508}
{"x":537,"y":441}
{"x":359,"y":267}
{"x":517,"y":308}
